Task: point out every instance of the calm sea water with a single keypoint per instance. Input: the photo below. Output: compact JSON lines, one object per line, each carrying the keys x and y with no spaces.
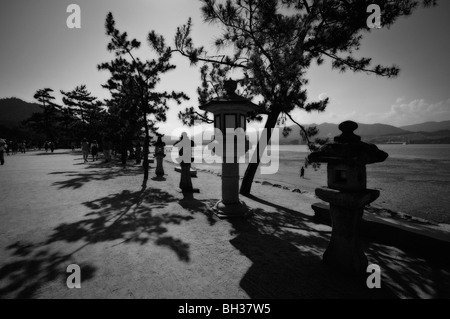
{"x":409,"y":151}
{"x":415,"y":179}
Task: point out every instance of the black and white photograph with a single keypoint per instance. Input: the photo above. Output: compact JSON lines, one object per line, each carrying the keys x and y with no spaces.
{"x":225,"y":154}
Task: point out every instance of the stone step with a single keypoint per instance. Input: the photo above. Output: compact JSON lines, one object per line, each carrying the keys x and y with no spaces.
{"x":429,"y":240}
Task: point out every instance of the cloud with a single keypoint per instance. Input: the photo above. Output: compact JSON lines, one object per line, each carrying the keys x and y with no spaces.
{"x":322,"y":96}
{"x":416,"y":111}
{"x":401,"y":113}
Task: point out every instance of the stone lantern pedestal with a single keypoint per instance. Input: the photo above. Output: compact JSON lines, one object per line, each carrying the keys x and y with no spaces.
{"x":347,"y":194}
{"x":230,"y":112}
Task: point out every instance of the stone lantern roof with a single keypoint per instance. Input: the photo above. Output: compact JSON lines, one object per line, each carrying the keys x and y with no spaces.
{"x":230,"y":98}
{"x":348,"y":148}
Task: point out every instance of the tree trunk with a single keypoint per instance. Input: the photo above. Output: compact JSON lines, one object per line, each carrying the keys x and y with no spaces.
{"x":146,"y":147}
{"x":253,"y":167}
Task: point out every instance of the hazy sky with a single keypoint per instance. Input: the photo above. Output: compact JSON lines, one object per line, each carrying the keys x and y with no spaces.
{"x":38,"y":50}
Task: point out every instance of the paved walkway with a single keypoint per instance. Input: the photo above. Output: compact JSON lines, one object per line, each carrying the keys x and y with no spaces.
{"x":56,"y":211}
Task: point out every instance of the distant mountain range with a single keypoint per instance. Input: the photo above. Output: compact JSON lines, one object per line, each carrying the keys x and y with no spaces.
{"x":13,"y":111}
{"x":382,"y":133}
{"x":428,"y":127}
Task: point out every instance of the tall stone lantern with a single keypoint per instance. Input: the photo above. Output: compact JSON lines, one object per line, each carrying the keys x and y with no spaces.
{"x":347,"y":194}
{"x":230,"y":111}
{"x":159,"y":154}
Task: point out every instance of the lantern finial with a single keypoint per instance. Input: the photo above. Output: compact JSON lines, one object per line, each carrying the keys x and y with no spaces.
{"x":347,"y":136}
{"x":230,"y":86}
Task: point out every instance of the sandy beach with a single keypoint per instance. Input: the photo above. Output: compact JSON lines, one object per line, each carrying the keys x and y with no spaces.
{"x":155,"y":243}
{"x":409,"y":185}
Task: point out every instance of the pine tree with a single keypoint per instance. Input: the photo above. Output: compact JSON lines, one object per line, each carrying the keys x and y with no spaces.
{"x":47,"y":121}
{"x":124,"y":122}
{"x":274,"y":42}
{"x":87,"y":108}
{"x":138,"y":79}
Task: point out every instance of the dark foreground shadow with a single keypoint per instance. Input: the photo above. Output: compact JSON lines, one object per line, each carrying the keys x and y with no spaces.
{"x":204,"y":207}
{"x":32,"y":265}
{"x":410,"y":275}
{"x":54,"y":153}
{"x":127,"y":217}
{"x":122,"y":218}
{"x":286,"y":254}
{"x":76,"y":179}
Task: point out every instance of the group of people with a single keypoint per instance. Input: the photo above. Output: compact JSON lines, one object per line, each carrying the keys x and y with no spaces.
{"x":87,"y":149}
{"x":49,"y":146}
{"x":11,"y":148}
{"x":93,"y":150}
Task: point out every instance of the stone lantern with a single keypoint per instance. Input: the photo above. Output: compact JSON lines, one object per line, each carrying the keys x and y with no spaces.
{"x":230,"y":111}
{"x":159,"y":154}
{"x":347,"y":194}
{"x":185,"y":167}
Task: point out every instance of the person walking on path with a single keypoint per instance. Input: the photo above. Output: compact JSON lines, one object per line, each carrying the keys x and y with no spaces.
{"x":138,"y":153}
{"x":94,"y":150}
{"x":107,"y":149}
{"x":85,"y":149}
{"x":302,"y":172}
{"x":23,"y":147}
{"x":7,"y":147}
{"x":2,"y":151}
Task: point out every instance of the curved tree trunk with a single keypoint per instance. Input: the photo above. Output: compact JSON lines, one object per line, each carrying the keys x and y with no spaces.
{"x":253,"y":167}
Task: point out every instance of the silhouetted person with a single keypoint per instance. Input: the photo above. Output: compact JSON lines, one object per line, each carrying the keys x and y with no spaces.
{"x":85,"y":149}
{"x":94,"y":150}
{"x":138,"y":153}
{"x":302,"y":172}
{"x":23,"y":147}
{"x":52,"y":147}
{"x":2,"y":151}
{"x":14,"y":148}
{"x":107,"y":149}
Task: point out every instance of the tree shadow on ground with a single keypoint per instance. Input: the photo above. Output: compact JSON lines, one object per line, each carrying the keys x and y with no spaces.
{"x":75,"y":179}
{"x":50,"y":153}
{"x":127,"y":217}
{"x":204,"y":207}
{"x":123,"y":218}
{"x":286,"y":252}
{"x":32,"y":266}
{"x":286,"y":255}
{"x":410,"y":275}
{"x":115,"y":164}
